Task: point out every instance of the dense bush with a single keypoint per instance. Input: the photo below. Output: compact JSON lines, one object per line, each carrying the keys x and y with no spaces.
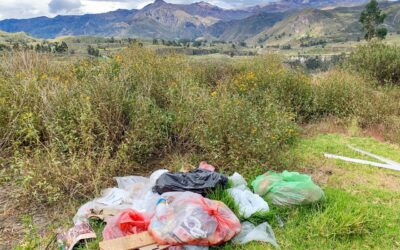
{"x":377,"y":60}
{"x":68,"y":128}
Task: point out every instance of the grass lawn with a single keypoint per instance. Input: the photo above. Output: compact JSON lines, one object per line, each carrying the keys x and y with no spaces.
{"x":361,"y":209}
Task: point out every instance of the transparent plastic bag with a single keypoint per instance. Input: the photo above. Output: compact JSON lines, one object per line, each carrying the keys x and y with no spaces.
{"x":262,"y":232}
{"x":287,"y":188}
{"x":186,"y":218}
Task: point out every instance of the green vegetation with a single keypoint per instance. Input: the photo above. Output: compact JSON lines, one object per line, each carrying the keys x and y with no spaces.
{"x":68,"y":126}
{"x":379,"y":61}
{"x":370,"y":18}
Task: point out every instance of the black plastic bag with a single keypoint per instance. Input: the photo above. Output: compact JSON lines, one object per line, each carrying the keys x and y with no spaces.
{"x":198,"y":181}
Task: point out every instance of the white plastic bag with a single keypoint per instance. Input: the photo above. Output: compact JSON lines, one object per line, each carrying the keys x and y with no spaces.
{"x":134,"y":192}
{"x":262,"y":232}
{"x":248,"y":202}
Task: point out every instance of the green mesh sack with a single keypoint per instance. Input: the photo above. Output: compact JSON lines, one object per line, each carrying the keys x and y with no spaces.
{"x":287,"y":188}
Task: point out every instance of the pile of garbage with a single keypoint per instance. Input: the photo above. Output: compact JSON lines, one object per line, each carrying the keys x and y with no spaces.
{"x":170,"y":210}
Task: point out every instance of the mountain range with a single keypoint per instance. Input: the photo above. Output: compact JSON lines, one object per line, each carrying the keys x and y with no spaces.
{"x":283,"y":21}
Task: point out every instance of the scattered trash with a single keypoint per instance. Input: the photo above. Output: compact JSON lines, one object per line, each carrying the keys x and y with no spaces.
{"x":197,"y":181}
{"x":248,"y":202}
{"x":388,"y":164}
{"x":287,"y":188}
{"x":79,"y":232}
{"x":127,"y":223}
{"x":262,"y":232}
{"x":186,"y":218}
{"x":167,"y":210}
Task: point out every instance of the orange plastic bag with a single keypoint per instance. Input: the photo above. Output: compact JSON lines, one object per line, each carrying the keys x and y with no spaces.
{"x":127,"y":223}
{"x":186,"y":218}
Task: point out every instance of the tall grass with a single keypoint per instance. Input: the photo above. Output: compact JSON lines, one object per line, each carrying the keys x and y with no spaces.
{"x":68,"y":127}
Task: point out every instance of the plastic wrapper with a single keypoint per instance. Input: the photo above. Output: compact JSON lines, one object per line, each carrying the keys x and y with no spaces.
{"x":186,"y":218}
{"x":127,"y":223}
{"x":248,"y":202}
{"x":288,"y":188}
{"x":262,"y":232}
{"x":197,"y":181}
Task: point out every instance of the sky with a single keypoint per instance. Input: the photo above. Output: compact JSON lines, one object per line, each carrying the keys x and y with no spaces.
{"x":34,"y":8}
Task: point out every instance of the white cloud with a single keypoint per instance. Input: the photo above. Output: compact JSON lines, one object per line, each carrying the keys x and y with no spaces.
{"x":57,"y":6}
{"x":34,"y":8}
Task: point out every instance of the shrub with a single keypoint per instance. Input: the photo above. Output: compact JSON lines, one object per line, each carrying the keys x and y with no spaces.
{"x":339,"y":93}
{"x":377,"y":60}
{"x":70,"y":127}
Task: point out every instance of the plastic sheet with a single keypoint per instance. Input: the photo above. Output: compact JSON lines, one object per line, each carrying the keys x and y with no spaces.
{"x":262,"y":232}
{"x":197,"y":181}
{"x":186,"y":218}
{"x":248,"y":202}
{"x":288,"y":188}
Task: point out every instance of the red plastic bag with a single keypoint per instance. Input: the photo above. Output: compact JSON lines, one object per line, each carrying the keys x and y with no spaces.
{"x":186,"y":218}
{"x":127,"y":223}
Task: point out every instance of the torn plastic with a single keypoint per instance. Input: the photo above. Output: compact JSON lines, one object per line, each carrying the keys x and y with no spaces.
{"x":186,"y":218}
{"x":262,"y":232}
{"x":248,"y":202}
{"x":197,"y":181}
{"x":127,"y":223}
{"x":287,"y":188}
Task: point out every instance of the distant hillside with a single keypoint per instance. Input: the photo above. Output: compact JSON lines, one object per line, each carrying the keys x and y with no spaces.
{"x":241,"y":30}
{"x":313,"y":26}
{"x":156,"y":20}
{"x":20,"y":37}
{"x":307,"y":23}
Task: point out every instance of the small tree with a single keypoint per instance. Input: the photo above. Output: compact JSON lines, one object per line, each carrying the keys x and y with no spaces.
{"x":61,"y":48}
{"x":93,"y":51}
{"x":370,"y":19}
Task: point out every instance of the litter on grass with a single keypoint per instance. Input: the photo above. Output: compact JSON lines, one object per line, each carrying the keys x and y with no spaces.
{"x":168,"y":210}
{"x":287,"y":188}
{"x":197,"y":181}
{"x":248,"y":202}
{"x":262,"y":232}
{"x":186,"y":218}
{"x":388,"y":164}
